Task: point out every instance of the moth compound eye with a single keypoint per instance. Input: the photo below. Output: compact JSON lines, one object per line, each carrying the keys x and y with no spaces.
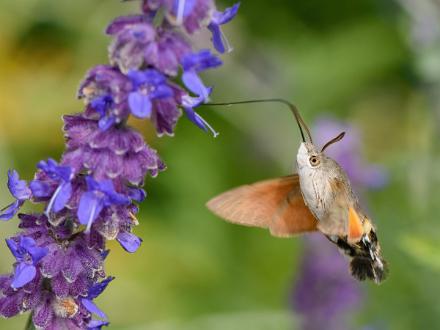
{"x":314,"y":161}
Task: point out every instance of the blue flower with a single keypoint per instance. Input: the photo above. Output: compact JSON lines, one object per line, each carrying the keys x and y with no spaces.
{"x":95,"y":291}
{"x":137,"y":194}
{"x":27,"y":255}
{"x":102,"y":105}
{"x":20,"y":191}
{"x":188,"y":104}
{"x":148,"y":86}
{"x":194,"y":63}
{"x":99,"y":195}
{"x":62,"y":175}
{"x":219,"y":40}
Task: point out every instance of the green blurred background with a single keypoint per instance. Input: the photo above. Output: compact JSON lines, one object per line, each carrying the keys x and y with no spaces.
{"x":375,"y":64}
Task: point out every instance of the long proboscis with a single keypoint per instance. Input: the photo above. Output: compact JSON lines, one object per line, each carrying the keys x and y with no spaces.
{"x":301,"y":124}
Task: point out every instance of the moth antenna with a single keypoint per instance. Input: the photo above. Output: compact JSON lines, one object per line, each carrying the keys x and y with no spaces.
{"x":334,"y":140}
{"x":301,"y":124}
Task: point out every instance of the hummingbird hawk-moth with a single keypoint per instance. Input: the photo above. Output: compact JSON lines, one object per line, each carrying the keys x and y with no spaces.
{"x":318,"y":198}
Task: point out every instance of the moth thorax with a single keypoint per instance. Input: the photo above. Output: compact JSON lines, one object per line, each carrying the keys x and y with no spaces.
{"x":316,"y":191}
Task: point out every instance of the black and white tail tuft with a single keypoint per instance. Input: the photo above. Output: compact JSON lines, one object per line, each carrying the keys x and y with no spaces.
{"x":366,"y":260}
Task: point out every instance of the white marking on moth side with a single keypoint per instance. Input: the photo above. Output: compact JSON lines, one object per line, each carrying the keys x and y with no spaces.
{"x":379,"y":263}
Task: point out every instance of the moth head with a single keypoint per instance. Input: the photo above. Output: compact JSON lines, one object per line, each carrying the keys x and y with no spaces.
{"x":310,"y":157}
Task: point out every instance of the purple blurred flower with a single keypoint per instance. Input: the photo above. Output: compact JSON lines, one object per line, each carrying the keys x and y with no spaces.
{"x":219,"y":40}
{"x":347,"y":153}
{"x":325,"y":293}
{"x":27,"y":255}
{"x":20,"y":191}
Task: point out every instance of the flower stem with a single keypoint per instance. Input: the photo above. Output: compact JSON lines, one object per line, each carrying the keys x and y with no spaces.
{"x":29,"y":324}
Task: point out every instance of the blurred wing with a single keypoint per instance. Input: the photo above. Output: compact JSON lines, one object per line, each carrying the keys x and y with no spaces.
{"x":275,"y":204}
{"x":342,"y":219}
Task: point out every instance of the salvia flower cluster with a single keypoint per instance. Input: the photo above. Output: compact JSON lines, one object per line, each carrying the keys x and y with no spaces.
{"x":91,"y":194}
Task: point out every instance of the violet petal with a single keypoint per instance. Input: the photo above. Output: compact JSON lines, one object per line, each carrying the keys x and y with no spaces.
{"x":129,"y":241}
{"x":140,"y":105}
{"x":10,"y":211}
{"x":17,"y":187}
{"x":92,"y":308}
{"x":23,"y":274}
{"x":89,"y":207}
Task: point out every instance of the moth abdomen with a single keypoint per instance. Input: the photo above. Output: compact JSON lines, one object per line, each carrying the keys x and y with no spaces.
{"x":366,"y":261}
{"x":362,"y":268}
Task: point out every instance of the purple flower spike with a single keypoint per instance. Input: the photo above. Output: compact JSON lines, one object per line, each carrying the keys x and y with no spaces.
{"x":99,"y":195}
{"x":219,"y":40}
{"x":60,"y":195}
{"x":27,"y":255}
{"x":20,"y":191}
{"x":91,"y":196}
{"x":129,"y":242}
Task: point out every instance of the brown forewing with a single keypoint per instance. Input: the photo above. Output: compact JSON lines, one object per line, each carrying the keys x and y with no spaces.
{"x":275,"y":204}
